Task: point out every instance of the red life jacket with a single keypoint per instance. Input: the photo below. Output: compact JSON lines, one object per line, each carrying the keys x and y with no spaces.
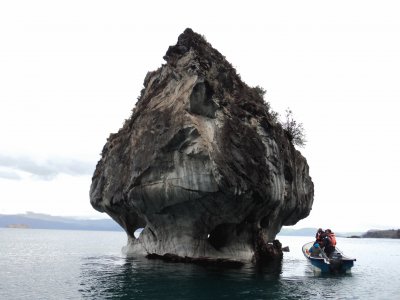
{"x":332,"y":238}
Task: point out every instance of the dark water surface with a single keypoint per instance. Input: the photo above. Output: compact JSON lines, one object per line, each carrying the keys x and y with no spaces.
{"x":52,"y":264}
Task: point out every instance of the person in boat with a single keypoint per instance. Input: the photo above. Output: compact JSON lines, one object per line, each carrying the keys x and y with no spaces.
{"x":315,"y":250}
{"x":332,"y":237}
{"x":329,"y":242}
{"x":319,"y":236}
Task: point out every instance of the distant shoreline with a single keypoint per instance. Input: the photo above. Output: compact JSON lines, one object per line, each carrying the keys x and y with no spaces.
{"x":373,"y":233}
{"x":42,"y":221}
{"x":382,"y":234}
{"x":19,"y":226}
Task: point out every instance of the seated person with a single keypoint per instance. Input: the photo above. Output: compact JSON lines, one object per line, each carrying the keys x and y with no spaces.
{"x":319,"y":236}
{"x":328,"y":246}
{"x":315,"y":250}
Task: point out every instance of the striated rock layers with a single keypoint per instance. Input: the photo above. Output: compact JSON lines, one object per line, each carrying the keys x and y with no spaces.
{"x":201,"y":165}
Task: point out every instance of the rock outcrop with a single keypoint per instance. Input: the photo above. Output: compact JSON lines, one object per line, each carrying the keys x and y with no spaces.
{"x":201,"y":165}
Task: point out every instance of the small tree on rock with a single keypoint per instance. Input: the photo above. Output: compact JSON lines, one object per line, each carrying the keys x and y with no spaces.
{"x":260,"y":90}
{"x":294,"y":130}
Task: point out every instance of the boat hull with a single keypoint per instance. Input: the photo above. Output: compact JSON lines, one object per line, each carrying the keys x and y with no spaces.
{"x":337,"y":263}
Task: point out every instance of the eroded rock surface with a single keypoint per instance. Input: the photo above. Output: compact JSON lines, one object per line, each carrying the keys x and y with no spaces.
{"x":200,"y":165}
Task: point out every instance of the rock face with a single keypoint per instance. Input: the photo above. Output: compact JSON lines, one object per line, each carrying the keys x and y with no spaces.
{"x":200,"y":165}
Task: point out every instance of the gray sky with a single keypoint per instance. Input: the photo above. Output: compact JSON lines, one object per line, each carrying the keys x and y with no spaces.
{"x":70,"y":73}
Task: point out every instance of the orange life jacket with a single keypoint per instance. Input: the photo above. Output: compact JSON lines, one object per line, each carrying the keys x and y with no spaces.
{"x":332,"y":238}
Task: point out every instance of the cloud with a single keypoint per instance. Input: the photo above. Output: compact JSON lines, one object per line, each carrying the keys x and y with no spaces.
{"x":43,"y":169}
{"x":9,"y":174}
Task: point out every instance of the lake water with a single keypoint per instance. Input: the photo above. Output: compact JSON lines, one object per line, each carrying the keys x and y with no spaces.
{"x":54,"y":264}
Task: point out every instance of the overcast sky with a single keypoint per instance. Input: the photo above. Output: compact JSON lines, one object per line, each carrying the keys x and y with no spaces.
{"x":70,"y":73}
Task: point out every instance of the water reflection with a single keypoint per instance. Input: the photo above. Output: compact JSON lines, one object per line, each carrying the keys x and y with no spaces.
{"x":132,"y":278}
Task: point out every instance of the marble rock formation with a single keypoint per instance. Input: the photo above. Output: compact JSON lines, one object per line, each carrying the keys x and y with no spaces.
{"x":201,"y":165}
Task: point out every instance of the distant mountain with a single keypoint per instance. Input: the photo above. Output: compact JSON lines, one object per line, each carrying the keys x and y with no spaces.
{"x":42,"y":221}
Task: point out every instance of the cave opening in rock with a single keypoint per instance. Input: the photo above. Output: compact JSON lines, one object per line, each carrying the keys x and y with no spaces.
{"x":221,"y":235}
{"x":137,"y":232}
{"x":264,"y":222}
